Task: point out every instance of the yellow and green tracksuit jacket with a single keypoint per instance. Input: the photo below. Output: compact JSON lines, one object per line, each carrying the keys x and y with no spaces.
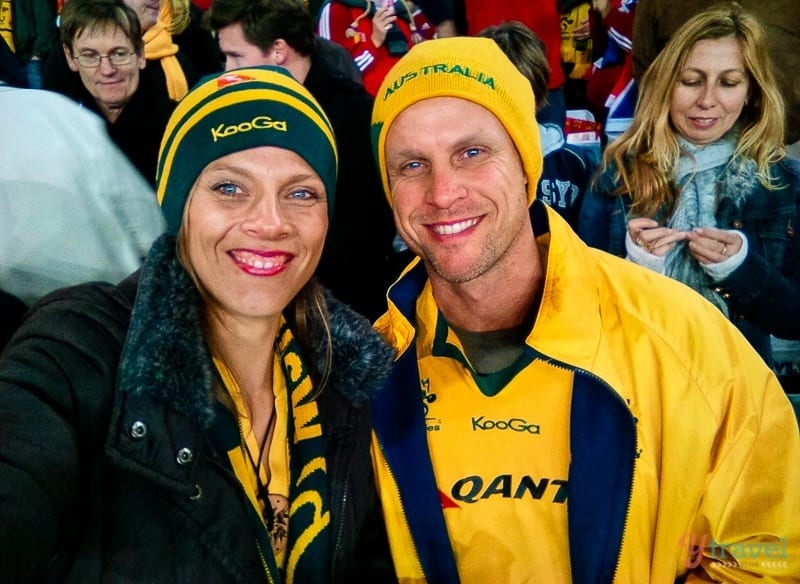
{"x":681,"y":439}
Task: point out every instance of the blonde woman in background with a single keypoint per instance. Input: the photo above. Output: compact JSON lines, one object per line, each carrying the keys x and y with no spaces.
{"x":699,"y":187}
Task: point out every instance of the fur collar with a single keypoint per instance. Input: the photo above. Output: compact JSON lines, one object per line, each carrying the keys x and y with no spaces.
{"x":165,"y":354}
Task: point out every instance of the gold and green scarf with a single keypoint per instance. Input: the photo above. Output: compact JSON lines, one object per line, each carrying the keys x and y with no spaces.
{"x":307,"y":557}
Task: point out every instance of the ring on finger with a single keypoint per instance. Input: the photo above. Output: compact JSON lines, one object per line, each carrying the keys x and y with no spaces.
{"x":724,"y":249}
{"x":639,"y":242}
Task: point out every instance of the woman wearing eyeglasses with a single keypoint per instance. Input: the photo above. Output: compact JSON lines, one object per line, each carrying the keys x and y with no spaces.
{"x":104,"y":48}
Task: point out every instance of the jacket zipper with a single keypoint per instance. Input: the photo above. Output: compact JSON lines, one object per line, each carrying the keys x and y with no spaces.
{"x":342,"y":504}
{"x":258,"y":546}
{"x":602,"y":382}
{"x":633,"y":466}
{"x":403,"y":509}
{"x":337,"y":543}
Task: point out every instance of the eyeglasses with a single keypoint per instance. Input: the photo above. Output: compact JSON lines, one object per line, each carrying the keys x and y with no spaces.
{"x":117,"y":58}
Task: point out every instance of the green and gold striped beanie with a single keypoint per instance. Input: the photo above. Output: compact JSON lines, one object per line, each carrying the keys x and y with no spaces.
{"x":237,"y":110}
{"x":472,"y":68}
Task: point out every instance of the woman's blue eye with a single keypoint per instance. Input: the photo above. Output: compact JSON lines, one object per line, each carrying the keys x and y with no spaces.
{"x":303,"y":196}
{"x":228,"y":189}
{"x":472,"y":152}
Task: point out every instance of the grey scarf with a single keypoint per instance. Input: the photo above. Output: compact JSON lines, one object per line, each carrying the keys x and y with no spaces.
{"x":700,"y":170}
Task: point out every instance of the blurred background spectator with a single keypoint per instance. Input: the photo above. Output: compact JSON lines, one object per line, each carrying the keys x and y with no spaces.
{"x":566,"y":170}
{"x":104,"y":49}
{"x":657,"y":20}
{"x":541,"y":16}
{"x":177,"y":47}
{"x":28,"y":28}
{"x":699,"y":187}
{"x":376,"y":34}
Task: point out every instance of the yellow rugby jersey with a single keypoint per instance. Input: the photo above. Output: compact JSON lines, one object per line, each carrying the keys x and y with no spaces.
{"x":632,"y":495}
{"x":501,"y":462}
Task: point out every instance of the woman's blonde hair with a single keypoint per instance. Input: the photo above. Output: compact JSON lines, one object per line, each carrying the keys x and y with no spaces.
{"x":646,"y":154}
{"x":176,"y":15}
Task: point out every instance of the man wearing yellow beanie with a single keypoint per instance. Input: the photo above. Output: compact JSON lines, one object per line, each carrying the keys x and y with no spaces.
{"x":555,"y":414}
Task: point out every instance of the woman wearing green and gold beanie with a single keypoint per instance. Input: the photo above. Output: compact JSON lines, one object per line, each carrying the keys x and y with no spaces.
{"x":206,"y":419}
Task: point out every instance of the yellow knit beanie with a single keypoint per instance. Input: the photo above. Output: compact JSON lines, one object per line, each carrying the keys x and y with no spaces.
{"x":471,"y":68}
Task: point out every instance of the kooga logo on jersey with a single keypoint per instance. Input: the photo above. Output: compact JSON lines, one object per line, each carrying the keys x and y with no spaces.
{"x":257,"y":123}
{"x":515,"y":424}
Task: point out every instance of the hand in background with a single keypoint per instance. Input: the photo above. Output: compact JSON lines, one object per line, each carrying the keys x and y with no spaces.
{"x":654,"y":238}
{"x":712,"y":246}
{"x":382,"y":21}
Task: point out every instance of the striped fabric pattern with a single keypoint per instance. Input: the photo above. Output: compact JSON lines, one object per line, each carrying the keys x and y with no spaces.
{"x":237,"y":110}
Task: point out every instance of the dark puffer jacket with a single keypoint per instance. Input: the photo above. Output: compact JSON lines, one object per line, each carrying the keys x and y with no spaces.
{"x":107,"y":473}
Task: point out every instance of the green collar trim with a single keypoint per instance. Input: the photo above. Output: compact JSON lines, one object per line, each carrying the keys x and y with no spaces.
{"x":446,"y":344}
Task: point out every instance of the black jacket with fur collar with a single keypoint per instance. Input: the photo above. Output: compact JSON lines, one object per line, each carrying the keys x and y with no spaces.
{"x":106,"y":470}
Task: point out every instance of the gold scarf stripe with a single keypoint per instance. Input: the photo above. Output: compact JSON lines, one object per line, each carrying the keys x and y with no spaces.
{"x":322,"y":518}
{"x":304,"y":413}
